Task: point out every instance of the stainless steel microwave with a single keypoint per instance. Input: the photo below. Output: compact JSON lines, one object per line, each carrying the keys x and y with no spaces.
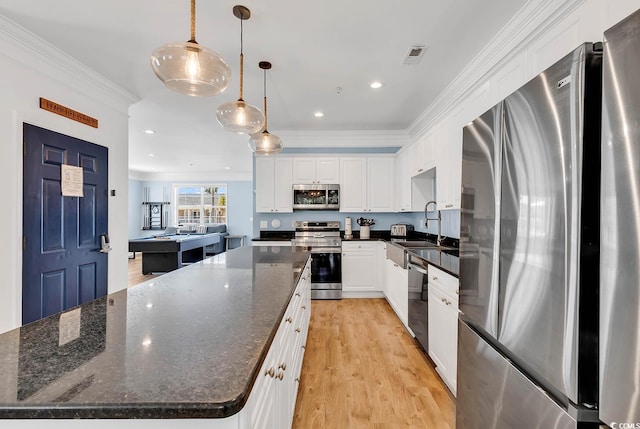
{"x":316,"y":197}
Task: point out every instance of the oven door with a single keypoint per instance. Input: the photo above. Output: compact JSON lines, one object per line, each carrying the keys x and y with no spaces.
{"x":326,"y":273}
{"x":418,"y":304}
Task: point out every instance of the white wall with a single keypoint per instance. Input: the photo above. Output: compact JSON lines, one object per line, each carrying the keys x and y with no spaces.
{"x":32,"y":69}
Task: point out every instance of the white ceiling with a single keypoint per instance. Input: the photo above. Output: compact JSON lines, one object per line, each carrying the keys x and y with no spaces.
{"x":314,"y":47}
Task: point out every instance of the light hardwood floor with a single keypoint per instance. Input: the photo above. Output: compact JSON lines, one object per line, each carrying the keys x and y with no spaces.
{"x":362,"y":369}
{"x":135,"y":271}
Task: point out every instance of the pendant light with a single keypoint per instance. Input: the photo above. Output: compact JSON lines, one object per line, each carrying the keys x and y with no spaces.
{"x":265,"y":143}
{"x":190,"y":68}
{"x":238,"y":116}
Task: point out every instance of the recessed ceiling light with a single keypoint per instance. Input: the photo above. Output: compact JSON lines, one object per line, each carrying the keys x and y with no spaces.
{"x":227,"y":168}
{"x":151,"y":154}
{"x":318,"y":114}
{"x":376,"y":85}
{"x":149,"y":131}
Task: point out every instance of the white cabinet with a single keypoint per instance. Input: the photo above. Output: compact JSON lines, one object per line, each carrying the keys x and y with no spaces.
{"x":312,"y":170}
{"x":274,"y":185}
{"x":380,"y":184}
{"x":422,"y":155}
{"x":403,"y":182}
{"x":272,"y":400}
{"x":367,"y":184}
{"x":448,"y":159}
{"x":359,"y":266}
{"x":443,"y":324}
{"x":396,"y":289}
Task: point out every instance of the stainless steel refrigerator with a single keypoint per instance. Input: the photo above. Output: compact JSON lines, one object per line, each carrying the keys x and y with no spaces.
{"x":620,"y":230}
{"x":527,"y":354}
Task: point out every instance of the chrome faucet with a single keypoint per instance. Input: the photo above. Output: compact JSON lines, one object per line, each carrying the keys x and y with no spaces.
{"x":438,"y":218}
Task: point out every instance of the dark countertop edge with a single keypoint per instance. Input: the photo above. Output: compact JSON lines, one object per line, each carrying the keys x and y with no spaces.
{"x":440,"y":267}
{"x":149,"y":410}
{"x":133,"y":410}
{"x":456,"y":275}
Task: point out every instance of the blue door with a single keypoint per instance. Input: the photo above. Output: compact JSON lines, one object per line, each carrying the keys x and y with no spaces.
{"x":62,"y":265}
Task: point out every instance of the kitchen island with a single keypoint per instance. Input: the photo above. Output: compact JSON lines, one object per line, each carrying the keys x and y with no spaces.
{"x":206,"y":342}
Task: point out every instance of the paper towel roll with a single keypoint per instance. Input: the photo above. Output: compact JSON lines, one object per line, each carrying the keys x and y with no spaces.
{"x":348,"y":233}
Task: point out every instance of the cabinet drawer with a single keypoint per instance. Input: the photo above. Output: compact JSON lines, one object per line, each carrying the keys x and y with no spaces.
{"x":359,"y":245}
{"x":447,"y":283}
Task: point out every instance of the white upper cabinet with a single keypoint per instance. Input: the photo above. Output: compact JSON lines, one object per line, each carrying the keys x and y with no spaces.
{"x":353,"y":192}
{"x":380,"y":184}
{"x":367,"y":184}
{"x":448,"y":164}
{"x":422,"y":155}
{"x":273,"y":185}
{"x":403,"y":183}
{"x":312,"y":170}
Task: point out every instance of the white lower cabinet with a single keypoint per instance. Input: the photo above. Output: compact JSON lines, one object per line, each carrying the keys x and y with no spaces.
{"x":360,"y":266}
{"x":396,"y":289}
{"x":443,"y":325}
{"x":272,"y":401}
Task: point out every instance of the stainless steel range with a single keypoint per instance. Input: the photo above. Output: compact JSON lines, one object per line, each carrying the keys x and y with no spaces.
{"x":322,"y":239}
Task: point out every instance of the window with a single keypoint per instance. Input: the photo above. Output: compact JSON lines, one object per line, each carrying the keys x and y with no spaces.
{"x":200,"y":204}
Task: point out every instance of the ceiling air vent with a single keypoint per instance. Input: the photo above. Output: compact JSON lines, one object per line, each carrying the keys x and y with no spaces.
{"x":413,"y":55}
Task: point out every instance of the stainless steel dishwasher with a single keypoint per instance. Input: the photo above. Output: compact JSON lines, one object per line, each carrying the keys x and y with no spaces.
{"x":418,"y":304}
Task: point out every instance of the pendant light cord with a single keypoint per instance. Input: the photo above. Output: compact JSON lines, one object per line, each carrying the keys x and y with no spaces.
{"x":264,"y":84}
{"x":241,"y":63}
{"x":193,"y":22}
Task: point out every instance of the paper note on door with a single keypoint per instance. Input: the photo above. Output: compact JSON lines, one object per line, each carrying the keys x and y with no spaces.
{"x":71,"y":178}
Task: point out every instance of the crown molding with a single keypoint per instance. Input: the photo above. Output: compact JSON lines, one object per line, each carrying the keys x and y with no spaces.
{"x":26,"y":48}
{"x":533,"y":20}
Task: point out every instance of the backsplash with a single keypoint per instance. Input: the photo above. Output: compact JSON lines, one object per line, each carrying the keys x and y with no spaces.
{"x":450,"y":223}
{"x":383,"y":221}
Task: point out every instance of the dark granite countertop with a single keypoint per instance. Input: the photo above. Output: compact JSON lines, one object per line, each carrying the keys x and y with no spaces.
{"x":187,"y":344}
{"x":447,"y":260}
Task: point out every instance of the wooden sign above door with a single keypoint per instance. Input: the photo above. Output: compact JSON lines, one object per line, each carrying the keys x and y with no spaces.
{"x":61,"y":110}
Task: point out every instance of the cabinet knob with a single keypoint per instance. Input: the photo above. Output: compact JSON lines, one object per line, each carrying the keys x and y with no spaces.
{"x":282,"y":366}
{"x":304,"y":307}
{"x":289,"y":319}
{"x":443,"y":300}
{"x":420,"y":170}
{"x":298,"y":293}
{"x":270,"y":372}
{"x":280,"y":375}
{"x":297,"y":380}
{"x":298,"y":330}
{"x":434,"y":278}
{"x":395,"y":265}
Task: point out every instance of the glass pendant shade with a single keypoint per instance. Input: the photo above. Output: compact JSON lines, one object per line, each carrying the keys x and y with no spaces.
{"x":266,"y":144}
{"x":191,"y":69}
{"x":240,"y":117}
